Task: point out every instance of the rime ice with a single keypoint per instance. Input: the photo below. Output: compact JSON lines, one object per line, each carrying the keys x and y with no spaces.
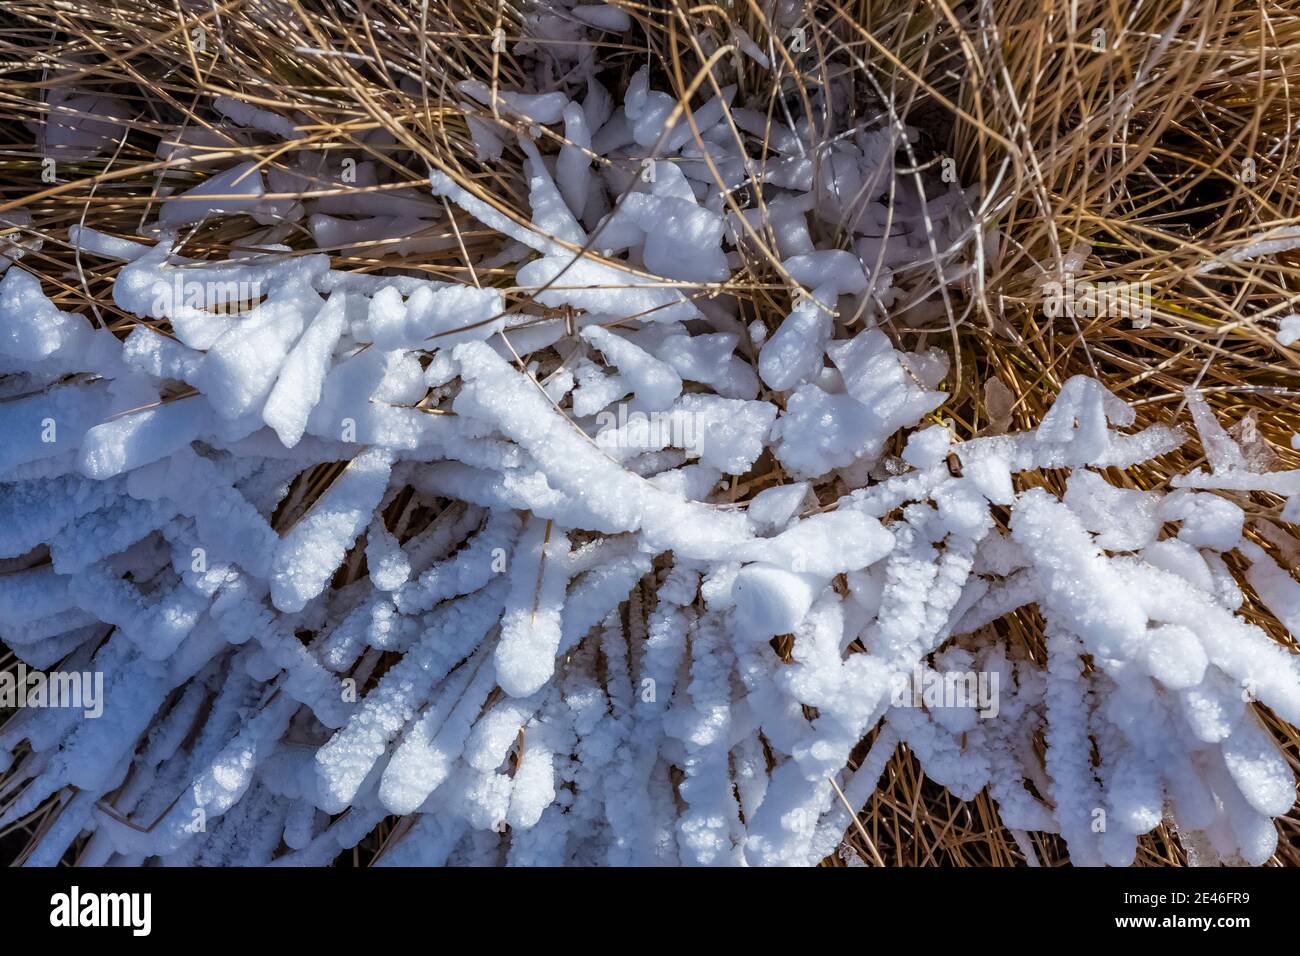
{"x":378,"y":544}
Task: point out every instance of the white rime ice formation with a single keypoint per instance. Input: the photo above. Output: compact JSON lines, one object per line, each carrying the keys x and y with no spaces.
{"x":557,"y":650}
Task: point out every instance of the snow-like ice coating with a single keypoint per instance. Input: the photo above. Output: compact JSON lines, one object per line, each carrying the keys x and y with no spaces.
{"x":590,"y":610}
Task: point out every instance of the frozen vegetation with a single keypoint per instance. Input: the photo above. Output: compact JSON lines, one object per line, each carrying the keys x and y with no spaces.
{"x":572,"y":661}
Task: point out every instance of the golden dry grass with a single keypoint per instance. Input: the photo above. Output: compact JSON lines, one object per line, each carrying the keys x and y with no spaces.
{"x":1132,"y":140}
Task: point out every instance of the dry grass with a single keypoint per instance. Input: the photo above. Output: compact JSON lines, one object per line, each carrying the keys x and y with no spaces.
{"x":1133,"y":141}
